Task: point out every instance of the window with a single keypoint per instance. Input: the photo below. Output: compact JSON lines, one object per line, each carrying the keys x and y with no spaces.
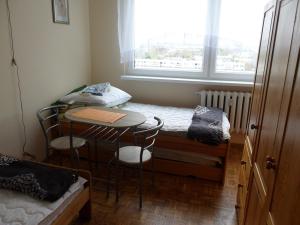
{"x":239,"y":33}
{"x":170,"y":39}
{"x":210,"y":39}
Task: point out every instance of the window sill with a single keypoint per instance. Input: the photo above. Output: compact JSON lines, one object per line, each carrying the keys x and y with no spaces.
{"x":188,"y":81}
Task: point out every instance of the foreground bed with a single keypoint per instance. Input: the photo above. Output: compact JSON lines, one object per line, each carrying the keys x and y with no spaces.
{"x":17,"y":208}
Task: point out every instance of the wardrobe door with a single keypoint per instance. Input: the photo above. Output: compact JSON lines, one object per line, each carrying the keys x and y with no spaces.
{"x":285,"y":202}
{"x":257,"y":93}
{"x":264,"y":163}
{"x":278,"y":89}
{"x":261,"y":71}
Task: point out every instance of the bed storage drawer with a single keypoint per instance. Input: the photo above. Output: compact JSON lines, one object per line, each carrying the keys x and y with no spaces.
{"x":187,"y":169}
{"x":242,"y":189}
{"x":245,"y":170}
{"x":240,"y":205}
{"x":246,"y":163}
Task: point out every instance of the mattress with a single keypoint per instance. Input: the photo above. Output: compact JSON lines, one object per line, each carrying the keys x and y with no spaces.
{"x":176,"y":120}
{"x":20,"y":209}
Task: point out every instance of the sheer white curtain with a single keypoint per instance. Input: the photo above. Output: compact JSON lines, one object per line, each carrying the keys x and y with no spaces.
{"x":197,"y":38}
{"x":126,"y":29}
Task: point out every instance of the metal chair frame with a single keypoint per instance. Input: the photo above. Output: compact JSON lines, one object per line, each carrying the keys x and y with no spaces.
{"x":146,"y":140}
{"x":49,"y":120}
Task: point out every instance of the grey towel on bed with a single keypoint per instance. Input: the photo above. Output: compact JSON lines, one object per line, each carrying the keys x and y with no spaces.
{"x":206,"y":125}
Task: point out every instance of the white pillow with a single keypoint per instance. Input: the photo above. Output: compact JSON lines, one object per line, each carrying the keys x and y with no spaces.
{"x":113,"y":97}
{"x":226,"y":127}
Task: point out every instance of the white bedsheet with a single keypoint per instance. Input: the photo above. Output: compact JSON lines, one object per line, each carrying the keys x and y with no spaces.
{"x":20,"y":209}
{"x":175,"y":119}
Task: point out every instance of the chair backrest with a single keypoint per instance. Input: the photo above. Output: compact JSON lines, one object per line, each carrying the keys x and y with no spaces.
{"x":148,"y":136}
{"x":49,"y":121}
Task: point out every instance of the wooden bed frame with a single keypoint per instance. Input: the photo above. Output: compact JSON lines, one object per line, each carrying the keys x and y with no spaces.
{"x":182,"y":144}
{"x":80,"y":205}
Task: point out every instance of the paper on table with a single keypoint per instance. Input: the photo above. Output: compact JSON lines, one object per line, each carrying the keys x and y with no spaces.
{"x":98,"y":115}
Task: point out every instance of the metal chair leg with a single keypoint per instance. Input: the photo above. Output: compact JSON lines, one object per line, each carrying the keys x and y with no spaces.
{"x":108,"y":178}
{"x":72,"y":157}
{"x":117,"y":180}
{"x":77,"y":158}
{"x":152,"y":170}
{"x":96,"y":153}
{"x":89,"y":157}
{"x":141,"y":185}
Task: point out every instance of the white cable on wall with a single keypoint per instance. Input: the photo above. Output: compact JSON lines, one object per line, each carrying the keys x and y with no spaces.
{"x":14,"y":63}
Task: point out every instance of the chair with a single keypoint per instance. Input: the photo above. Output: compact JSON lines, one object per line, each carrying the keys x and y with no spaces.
{"x":136,"y":155}
{"x":55,"y":140}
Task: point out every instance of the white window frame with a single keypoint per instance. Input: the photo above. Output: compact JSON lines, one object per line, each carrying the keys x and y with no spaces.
{"x":209,"y":58}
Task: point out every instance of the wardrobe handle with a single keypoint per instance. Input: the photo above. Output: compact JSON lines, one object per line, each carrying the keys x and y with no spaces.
{"x":270,"y":163}
{"x":253,"y":127}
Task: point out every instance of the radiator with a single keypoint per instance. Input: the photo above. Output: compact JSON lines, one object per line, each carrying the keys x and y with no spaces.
{"x":235,"y":104}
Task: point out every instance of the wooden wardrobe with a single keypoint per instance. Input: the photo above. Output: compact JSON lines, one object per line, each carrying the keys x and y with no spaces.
{"x":269,"y":184}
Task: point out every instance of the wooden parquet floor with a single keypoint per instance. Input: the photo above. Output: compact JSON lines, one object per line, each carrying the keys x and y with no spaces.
{"x":174,"y":200}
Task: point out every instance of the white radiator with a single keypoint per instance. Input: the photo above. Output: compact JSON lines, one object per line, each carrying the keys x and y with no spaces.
{"x":235,"y":104}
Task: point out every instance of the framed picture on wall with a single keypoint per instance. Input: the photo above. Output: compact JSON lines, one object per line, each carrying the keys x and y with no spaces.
{"x":60,"y":11}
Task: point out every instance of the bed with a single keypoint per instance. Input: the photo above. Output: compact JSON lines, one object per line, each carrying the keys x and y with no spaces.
{"x":175,"y":153}
{"x":17,"y":208}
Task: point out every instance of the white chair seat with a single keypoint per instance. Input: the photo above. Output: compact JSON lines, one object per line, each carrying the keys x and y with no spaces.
{"x":131,"y":155}
{"x":63,"y":143}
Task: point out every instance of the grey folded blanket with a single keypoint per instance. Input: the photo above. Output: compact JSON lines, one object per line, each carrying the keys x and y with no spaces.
{"x":206,"y":125}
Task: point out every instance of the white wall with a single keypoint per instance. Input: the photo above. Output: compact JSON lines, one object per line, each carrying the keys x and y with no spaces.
{"x":53,"y":59}
{"x":106,"y":66}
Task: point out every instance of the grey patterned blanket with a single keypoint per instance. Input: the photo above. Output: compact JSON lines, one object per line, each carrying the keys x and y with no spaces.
{"x":36,"y":180}
{"x":206,"y":125}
